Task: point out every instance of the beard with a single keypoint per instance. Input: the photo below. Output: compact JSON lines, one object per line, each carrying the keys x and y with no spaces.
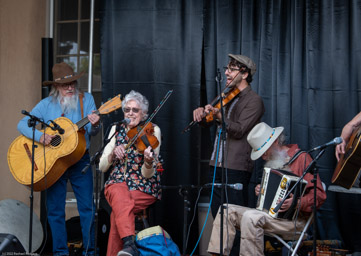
{"x":235,"y":81}
{"x":277,"y":160}
{"x":68,"y":103}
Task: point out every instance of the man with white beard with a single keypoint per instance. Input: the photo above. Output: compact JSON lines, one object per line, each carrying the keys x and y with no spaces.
{"x":65,"y":100}
{"x":268,"y":143}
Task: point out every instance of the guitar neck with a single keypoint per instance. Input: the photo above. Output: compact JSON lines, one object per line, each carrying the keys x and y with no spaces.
{"x":83,"y":122}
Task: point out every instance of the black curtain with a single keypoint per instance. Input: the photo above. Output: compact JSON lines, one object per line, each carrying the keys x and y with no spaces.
{"x":153,"y":47}
{"x":308,"y":74}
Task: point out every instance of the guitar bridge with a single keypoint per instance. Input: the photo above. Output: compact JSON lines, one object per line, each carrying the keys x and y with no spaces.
{"x":29,"y":155}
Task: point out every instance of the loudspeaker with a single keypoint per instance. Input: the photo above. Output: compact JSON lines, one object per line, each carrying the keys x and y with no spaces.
{"x":15,"y":220}
{"x":10,"y":243}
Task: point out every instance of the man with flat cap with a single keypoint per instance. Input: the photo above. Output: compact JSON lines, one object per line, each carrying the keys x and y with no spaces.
{"x":242,"y":113}
{"x":268,"y":143}
{"x":66,"y":100}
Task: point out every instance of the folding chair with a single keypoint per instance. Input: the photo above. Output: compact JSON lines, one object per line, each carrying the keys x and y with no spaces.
{"x":294,"y":246}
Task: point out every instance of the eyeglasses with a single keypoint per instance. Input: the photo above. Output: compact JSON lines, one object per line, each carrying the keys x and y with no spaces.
{"x":230,"y":69}
{"x":67,"y":85}
{"x":127,"y":110}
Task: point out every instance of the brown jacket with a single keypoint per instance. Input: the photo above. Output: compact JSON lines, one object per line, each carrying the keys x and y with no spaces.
{"x":241,"y":115}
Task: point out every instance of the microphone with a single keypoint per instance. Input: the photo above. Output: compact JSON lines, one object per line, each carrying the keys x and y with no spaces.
{"x":219,"y":77}
{"x":236,"y":186}
{"x":125,"y":121}
{"x":57,"y":127}
{"x":333,"y":142}
{"x":24,"y":112}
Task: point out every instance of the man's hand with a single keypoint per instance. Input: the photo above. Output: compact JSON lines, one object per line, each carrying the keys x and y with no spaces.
{"x":257,"y":189}
{"x":94,"y":119}
{"x":286,"y":204}
{"x":340,"y":149}
{"x":200,"y":113}
{"x":46,"y":139}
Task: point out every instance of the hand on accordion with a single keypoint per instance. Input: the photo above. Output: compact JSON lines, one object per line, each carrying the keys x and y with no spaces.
{"x":286,"y":204}
{"x":257,"y":189}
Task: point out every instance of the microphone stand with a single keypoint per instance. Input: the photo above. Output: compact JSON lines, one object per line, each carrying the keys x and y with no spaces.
{"x":223,"y":139}
{"x":32,"y":123}
{"x":310,"y":167}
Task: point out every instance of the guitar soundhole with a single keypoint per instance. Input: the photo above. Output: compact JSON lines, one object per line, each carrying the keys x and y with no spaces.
{"x":56,"y":141}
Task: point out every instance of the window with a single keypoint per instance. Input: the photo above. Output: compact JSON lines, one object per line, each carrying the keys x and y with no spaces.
{"x":71,"y":38}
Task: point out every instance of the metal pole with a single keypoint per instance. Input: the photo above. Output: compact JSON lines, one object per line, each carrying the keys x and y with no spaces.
{"x":51,"y":19}
{"x":90,"y":70}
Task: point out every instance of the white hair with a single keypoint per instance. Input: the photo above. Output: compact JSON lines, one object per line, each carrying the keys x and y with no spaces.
{"x":139,"y":99}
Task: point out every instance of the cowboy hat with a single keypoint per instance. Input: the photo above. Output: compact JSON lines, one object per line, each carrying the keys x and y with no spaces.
{"x":245,"y":61}
{"x":261,"y":137}
{"x":62,"y":74}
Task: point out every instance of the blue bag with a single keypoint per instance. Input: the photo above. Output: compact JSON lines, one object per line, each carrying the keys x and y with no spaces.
{"x":156,"y":241}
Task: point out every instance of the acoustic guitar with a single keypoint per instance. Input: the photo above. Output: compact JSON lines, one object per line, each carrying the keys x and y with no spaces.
{"x":348,"y":167}
{"x":51,"y":161}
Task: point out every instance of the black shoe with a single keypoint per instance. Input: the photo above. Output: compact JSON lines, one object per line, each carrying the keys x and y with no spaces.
{"x":129,"y":248}
{"x":129,"y":251}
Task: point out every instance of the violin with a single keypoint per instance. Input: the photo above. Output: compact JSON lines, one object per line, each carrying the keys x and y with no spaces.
{"x":227,"y":95}
{"x":142,"y":136}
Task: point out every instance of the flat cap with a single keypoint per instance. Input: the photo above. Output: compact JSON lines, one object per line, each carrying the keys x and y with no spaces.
{"x":245,"y":61}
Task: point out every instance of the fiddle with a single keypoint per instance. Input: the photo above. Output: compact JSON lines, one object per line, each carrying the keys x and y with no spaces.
{"x":142,"y":136}
{"x":226,"y":96}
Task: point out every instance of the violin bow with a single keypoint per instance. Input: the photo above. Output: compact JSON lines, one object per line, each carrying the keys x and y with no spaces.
{"x":160,"y":105}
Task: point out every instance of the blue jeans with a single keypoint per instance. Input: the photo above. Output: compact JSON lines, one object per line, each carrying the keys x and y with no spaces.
{"x":82,"y":185}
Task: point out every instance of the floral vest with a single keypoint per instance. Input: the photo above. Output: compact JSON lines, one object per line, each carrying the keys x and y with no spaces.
{"x":129,"y":170}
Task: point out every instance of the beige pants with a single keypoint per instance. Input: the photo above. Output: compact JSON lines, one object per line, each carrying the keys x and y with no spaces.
{"x":253,"y":224}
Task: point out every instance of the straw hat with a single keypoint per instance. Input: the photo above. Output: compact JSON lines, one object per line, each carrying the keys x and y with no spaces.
{"x":261,"y":137}
{"x":62,"y":74}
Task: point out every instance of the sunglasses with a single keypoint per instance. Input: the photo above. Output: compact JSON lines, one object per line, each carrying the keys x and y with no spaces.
{"x":127,"y":110}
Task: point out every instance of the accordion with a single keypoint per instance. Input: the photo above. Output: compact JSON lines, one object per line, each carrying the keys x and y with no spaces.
{"x":274,"y":186}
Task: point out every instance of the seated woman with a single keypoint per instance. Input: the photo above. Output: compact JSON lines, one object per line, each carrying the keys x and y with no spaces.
{"x":134,"y":182}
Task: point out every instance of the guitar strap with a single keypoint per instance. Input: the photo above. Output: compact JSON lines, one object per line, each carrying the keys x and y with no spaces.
{"x":81,"y":96}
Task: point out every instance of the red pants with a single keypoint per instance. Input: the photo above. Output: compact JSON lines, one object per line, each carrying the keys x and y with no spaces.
{"x":125,"y":204}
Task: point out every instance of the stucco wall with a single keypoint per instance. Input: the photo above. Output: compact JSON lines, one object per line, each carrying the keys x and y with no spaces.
{"x":22,"y":25}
